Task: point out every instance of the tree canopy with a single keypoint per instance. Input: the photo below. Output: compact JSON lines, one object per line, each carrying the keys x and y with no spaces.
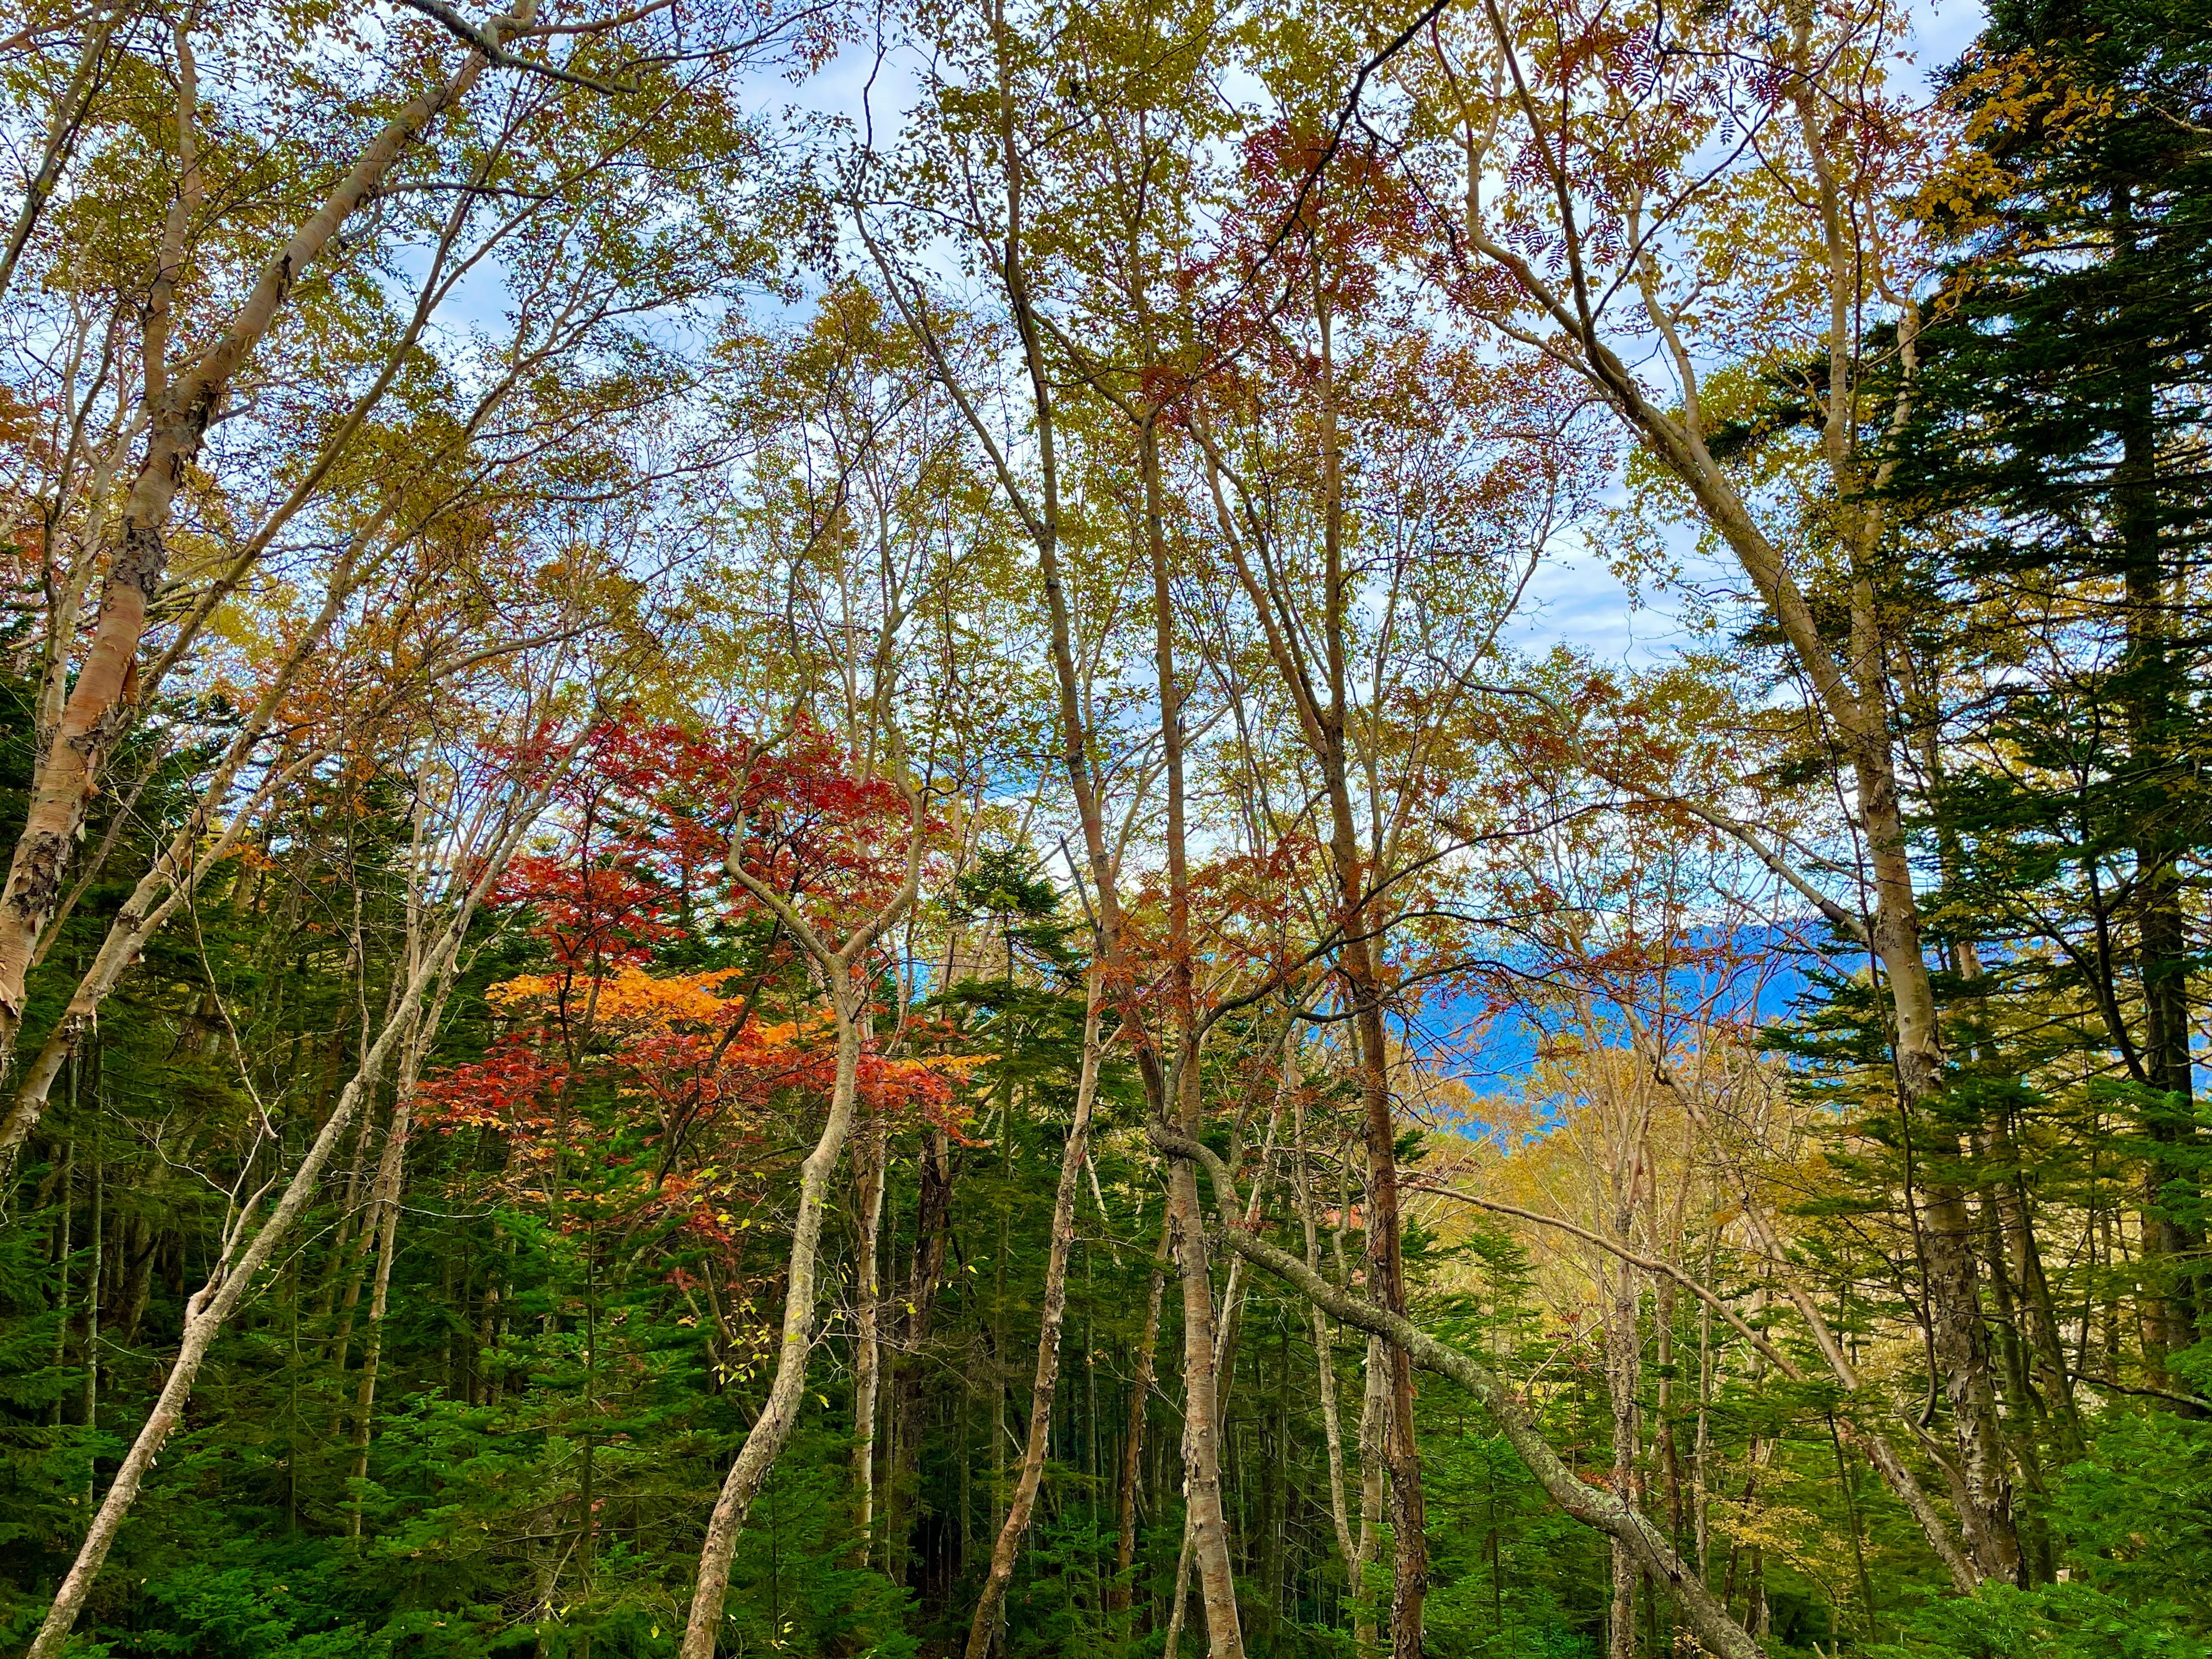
{"x":802,"y":858}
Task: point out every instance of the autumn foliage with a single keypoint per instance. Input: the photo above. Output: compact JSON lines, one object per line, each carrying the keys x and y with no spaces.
{"x":613,"y":1054}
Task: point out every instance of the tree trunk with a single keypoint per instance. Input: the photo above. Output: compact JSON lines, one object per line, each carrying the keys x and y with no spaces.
{"x":1852,"y":694}
{"x":383,"y":1201}
{"x":982,"y":1628}
{"x":1622,"y":1373}
{"x":175,"y":876}
{"x":1132,"y":1446}
{"x":1611,"y":1513}
{"x":1209,"y":1525}
{"x":1324,"y":1358}
{"x":867,"y":1348}
{"x":779,"y":1414}
{"x":211,"y":1305}
{"x":1362,"y":923}
{"x":848,"y":1007}
{"x":933,"y":1210}
{"x":1895,"y":1472}
{"x":2046,"y":1348}
{"x":1374,"y":1419}
{"x":100,"y":701}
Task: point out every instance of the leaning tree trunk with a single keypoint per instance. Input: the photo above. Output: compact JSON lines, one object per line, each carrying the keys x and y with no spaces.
{"x":982,"y":1628}
{"x":241,"y":1260}
{"x":779,"y":1414}
{"x":1132,"y":1446}
{"x":383,"y":1201}
{"x":99,"y":704}
{"x":1613,"y":1514}
{"x":1895,"y":1472}
{"x":1851,"y":688}
{"x":183,"y":864}
{"x":63,"y":125}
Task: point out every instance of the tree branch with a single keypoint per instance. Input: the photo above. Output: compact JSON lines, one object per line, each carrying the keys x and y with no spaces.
{"x":1611,"y":1513}
{"x":481,"y":40}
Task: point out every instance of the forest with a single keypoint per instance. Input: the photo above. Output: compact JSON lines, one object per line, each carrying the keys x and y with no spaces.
{"x":909,"y":829}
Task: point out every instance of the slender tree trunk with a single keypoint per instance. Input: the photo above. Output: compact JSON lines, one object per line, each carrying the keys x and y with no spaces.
{"x":1324,"y":716}
{"x":1132,"y":1446}
{"x":779,"y":1414}
{"x":982,"y":1628}
{"x":1208,"y":1522}
{"x":933,"y":1209}
{"x":1164,"y":1097}
{"x":383,"y":1201}
{"x":1374,"y":1426}
{"x":867,"y":1348}
{"x":2047,"y":1347}
{"x":62,"y":1252}
{"x":350,"y":1247}
{"x":1362,"y":923}
{"x":1622,"y":1376}
{"x":2152,"y":693}
{"x":1324,"y":1358}
{"x":1702,"y":1441}
{"x":1001,"y":1338}
{"x":848,"y":1007}
{"x":1666,"y":1451}
{"x":94,"y":1286}
{"x":1612,"y":1513}
{"x":1386,"y":1284}
{"x":1851,"y":691}
{"x":1895,"y":1474}
{"x":1209,"y":1525}
{"x":178,"y":873}
{"x":1171,"y":1645}
{"x":139,"y":1241}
